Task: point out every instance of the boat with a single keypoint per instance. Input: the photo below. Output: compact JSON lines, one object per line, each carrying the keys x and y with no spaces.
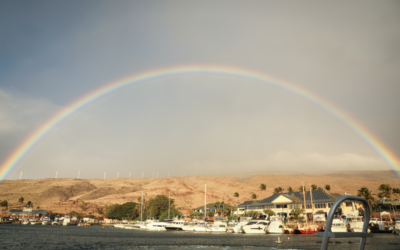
{"x":119,"y":225}
{"x":176,"y":224}
{"x":200,"y":227}
{"x":156,"y":226}
{"x":238,"y":227}
{"x":256,"y":226}
{"x":306,"y":228}
{"x":338,"y":226}
{"x":275,"y":226}
{"x":356,"y":224}
{"x":25,"y":222}
{"x":33,"y":221}
{"x":45,"y":221}
{"x":67,"y":220}
{"x":217,"y":227}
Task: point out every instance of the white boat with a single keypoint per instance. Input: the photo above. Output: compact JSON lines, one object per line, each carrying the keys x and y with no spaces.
{"x":217,"y":227}
{"x":156,"y":226}
{"x":256,"y":227}
{"x":32,"y":221}
{"x":275,"y":226}
{"x":119,"y":225}
{"x":45,"y":221}
{"x":25,"y":222}
{"x":200,"y":227}
{"x":338,"y":226}
{"x":238,"y":227}
{"x":67,"y":220}
{"x":176,"y":224}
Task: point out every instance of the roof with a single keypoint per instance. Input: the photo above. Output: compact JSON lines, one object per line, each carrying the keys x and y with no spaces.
{"x":296,"y":198}
{"x":26,"y":212}
{"x":209,"y":206}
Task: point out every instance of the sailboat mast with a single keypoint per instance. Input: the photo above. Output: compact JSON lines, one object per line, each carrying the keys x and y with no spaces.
{"x":305,"y":204}
{"x":312,"y":205}
{"x":141,"y":209}
{"x":205,"y":202}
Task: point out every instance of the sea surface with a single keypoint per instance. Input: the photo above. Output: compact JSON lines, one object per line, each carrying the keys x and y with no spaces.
{"x":73,"y":237}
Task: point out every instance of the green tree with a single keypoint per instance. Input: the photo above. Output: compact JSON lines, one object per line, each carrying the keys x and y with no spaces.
{"x":4,"y":203}
{"x":387,"y":192}
{"x":301,"y":188}
{"x":367,"y":195}
{"x":158,"y":205}
{"x":21,"y":200}
{"x":29,"y":204}
{"x":263,"y":187}
{"x":278,"y":190}
{"x":173,"y":213}
{"x":328,"y":188}
{"x":296,"y":212}
{"x":118,"y":211}
{"x":210,"y":214}
{"x":319,"y":188}
{"x":290,"y":190}
{"x":217,"y":205}
{"x":313,"y":187}
{"x":254,"y":196}
{"x":236,"y":194}
{"x":269,"y":212}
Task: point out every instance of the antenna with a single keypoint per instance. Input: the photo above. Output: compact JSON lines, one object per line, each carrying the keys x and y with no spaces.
{"x":104,"y":176}
{"x":78,"y":174}
{"x":56,"y":174}
{"x":20,"y":175}
{"x":118,"y":175}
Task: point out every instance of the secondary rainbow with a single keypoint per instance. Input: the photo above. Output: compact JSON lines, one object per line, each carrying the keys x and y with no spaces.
{"x":11,"y":162}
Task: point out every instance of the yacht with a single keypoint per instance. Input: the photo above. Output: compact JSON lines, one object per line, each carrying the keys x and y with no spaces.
{"x":148,"y":221}
{"x":156,"y":226}
{"x":256,"y":227}
{"x":45,"y":221}
{"x":200,"y":227}
{"x":238,"y":227}
{"x":176,"y":224}
{"x":217,"y":227}
{"x":306,"y":228}
{"x":33,"y":221}
{"x":67,"y":220}
{"x":275,"y":225}
{"x":338,"y":226}
{"x":357,"y":224}
{"x":25,"y":222}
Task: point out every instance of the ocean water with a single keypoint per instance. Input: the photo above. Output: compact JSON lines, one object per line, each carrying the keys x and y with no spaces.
{"x":73,"y":237}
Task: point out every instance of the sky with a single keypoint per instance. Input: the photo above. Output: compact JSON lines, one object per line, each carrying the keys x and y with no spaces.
{"x":54,"y":52}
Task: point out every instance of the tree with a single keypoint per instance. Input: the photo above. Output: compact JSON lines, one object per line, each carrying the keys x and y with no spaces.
{"x":217,"y":204}
{"x":4,"y":204}
{"x":210,"y":214}
{"x":296,"y":212}
{"x":278,"y":190}
{"x":367,"y":195}
{"x":29,"y":204}
{"x":313,"y":187}
{"x":173,"y":213}
{"x":254,"y":196}
{"x":387,"y":192}
{"x":301,"y":188}
{"x":125,"y":210}
{"x":319,"y":188}
{"x":290,"y":190}
{"x":158,"y":205}
{"x":263,"y":187}
{"x":21,"y":200}
{"x":269,"y":212}
{"x":236,"y":194}
{"x":328,"y":188}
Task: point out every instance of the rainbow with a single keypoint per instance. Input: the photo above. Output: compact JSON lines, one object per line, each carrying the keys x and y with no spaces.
{"x":11,"y":162}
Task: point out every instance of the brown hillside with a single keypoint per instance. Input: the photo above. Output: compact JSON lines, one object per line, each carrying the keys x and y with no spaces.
{"x":63,"y":195}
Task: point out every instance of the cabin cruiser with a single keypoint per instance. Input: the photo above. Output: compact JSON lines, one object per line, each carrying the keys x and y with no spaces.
{"x":200,"y":227}
{"x":275,"y":225}
{"x":217,"y":227}
{"x":238,"y":227}
{"x":45,"y":221}
{"x":357,"y":224}
{"x":25,"y":222}
{"x":156,"y":226}
{"x":148,"y":221}
{"x":176,"y":224}
{"x":67,"y":220}
{"x":338,"y":226}
{"x":256,"y":226}
{"x":33,"y":221}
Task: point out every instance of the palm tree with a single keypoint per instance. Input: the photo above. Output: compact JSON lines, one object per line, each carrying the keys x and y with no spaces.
{"x":254,"y":196}
{"x":387,"y":192}
{"x":263,"y":187}
{"x":290,"y":190}
{"x":301,"y":188}
{"x":313,"y":187}
{"x":367,"y":195}
{"x":328,"y":187}
{"x":217,"y":204}
{"x":21,"y":200}
{"x":236,"y":194}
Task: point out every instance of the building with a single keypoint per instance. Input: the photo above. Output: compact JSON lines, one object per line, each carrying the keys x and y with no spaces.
{"x":387,"y":204}
{"x":209,"y":207}
{"x":283,"y":203}
{"x":26,"y":213}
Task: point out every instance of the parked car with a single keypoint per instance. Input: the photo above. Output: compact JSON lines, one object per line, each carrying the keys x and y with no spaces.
{"x":374,"y":221}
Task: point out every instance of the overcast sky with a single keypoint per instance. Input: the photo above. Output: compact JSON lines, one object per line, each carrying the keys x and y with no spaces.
{"x":54,"y":52}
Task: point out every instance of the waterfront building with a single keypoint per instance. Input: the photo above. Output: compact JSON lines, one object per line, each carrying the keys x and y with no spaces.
{"x":283,"y":203}
{"x":26,"y":213}
{"x":209,"y":207}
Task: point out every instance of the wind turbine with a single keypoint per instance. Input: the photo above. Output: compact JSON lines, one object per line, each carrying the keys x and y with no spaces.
{"x":20,"y":175}
{"x":142,"y":174}
{"x":78,"y":174}
{"x":129,"y":174}
{"x":56,"y":174}
{"x":104,"y":176}
{"x":118,"y":175}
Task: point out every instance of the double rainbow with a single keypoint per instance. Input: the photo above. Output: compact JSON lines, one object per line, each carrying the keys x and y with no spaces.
{"x":11,"y":162}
